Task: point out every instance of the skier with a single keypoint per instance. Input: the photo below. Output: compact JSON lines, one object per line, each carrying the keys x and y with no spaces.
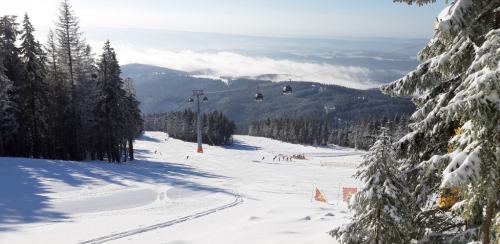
{"x":262,"y":158}
{"x":187,"y":157}
{"x":155,"y":151}
{"x":274,"y":159}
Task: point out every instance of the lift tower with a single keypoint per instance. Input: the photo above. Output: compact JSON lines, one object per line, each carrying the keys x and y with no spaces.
{"x":199,"y":93}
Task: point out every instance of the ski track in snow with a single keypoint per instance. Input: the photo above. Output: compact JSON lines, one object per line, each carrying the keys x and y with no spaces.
{"x":107,"y":238}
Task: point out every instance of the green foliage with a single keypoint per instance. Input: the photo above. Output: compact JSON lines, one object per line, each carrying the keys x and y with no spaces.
{"x":457,"y":83}
{"x":381,"y":206}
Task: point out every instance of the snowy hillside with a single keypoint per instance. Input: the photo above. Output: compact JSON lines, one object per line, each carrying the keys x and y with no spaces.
{"x":225,"y":195}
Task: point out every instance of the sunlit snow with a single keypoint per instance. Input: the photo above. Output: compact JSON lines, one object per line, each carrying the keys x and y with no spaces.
{"x":225,"y":195}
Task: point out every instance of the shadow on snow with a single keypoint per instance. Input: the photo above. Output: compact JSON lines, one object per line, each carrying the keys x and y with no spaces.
{"x":22,"y":188}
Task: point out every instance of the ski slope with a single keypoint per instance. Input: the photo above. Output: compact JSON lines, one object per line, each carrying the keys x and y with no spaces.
{"x":225,"y":195}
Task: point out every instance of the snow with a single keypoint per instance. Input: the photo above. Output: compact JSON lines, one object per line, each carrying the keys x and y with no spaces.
{"x":225,"y":195}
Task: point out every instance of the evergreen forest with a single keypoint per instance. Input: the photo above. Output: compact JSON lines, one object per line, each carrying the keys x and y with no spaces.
{"x":339,"y":133}
{"x":60,"y":101}
{"x":216,"y":128}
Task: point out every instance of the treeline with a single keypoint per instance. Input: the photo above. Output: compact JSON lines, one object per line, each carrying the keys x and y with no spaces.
{"x":216,"y":128}
{"x":58,"y":101}
{"x":338,"y":132}
{"x":343,"y":133}
{"x":290,"y":130}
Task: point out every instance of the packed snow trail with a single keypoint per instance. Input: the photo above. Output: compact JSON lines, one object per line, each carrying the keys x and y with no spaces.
{"x":95,"y":201}
{"x":103,"y":239}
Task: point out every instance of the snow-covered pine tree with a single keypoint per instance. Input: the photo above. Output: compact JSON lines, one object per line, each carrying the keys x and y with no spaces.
{"x":380,"y":207}
{"x":58,"y":100}
{"x":324,"y":133}
{"x":68,"y":37}
{"x":8,"y":123}
{"x":9,"y":31}
{"x":86,"y":97}
{"x":458,"y":83}
{"x":36,"y":88}
{"x":134,"y":120}
{"x":110,"y":95}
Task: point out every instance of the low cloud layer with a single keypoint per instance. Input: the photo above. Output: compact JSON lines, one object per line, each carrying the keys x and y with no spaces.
{"x":235,"y":65}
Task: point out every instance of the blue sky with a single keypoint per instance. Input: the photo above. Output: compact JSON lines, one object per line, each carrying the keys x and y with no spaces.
{"x":280,"y":18}
{"x":353,"y":27}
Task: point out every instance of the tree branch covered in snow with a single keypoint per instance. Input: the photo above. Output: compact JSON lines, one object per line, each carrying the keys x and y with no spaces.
{"x":381,"y":206}
{"x":455,"y":140}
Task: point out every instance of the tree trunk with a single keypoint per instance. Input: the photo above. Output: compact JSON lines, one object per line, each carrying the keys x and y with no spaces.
{"x":92,"y":148}
{"x":36,"y":153}
{"x":131,"y":149}
{"x":487,"y":222}
{"x":1,"y":143}
{"x":125,"y":151}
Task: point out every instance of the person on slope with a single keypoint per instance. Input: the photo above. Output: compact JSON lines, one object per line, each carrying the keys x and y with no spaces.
{"x":262,"y":158}
{"x":187,"y":157}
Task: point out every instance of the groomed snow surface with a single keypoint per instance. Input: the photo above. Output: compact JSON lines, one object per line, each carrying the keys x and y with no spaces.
{"x":225,"y":195}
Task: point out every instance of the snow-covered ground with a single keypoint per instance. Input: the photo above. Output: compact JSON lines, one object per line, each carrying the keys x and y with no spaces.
{"x":225,"y":195}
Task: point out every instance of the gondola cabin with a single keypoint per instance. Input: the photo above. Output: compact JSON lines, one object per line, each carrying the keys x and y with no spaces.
{"x":287,"y":90}
{"x":258,"y":97}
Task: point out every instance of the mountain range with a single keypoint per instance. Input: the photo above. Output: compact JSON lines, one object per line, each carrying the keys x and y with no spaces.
{"x":162,"y":90}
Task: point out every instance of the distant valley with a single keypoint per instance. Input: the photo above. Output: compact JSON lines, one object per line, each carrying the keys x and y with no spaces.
{"x":161,"y":90}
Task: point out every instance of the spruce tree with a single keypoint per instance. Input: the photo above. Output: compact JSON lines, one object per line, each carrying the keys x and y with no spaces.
{"x":31,"y":52}
{"x":68,"y":37}
{"x":14,"y":70}
{"x":8,"y":123}
{"x":58,"y":99}
{"x":133,"y":121}
{"x":380,"y":207}
{"x":458,"y":83}
{"x":110,"y":102}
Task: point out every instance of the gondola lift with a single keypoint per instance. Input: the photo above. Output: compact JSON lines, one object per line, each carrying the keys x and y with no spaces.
{"x":258,"y":96}
{"x":205,"y":99}
{"x":191,"y":100}
{"x":287,"y":90}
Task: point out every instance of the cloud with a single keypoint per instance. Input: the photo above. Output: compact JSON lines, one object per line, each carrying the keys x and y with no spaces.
{"x":235,"y":65}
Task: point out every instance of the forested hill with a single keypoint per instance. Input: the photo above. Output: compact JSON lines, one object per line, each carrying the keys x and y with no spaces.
{"x":160,"y":90}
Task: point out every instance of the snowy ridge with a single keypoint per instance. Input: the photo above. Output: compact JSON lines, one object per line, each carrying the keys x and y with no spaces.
{"x":237,"y":201}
